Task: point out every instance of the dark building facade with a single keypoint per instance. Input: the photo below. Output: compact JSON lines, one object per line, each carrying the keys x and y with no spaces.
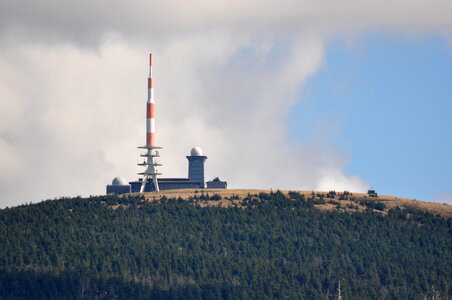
{"x":165,"y":184}
{"x":196,"y":169}
{"x":118,"y":189}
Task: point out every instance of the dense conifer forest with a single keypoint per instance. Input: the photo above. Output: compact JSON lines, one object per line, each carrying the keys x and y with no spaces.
{"x":272,"y":246}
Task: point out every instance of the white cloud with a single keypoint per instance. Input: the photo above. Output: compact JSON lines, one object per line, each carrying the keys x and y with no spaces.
{"x":72,"y":86}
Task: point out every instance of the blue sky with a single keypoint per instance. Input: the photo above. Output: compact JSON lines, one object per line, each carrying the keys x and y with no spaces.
{"x":386,"y":103}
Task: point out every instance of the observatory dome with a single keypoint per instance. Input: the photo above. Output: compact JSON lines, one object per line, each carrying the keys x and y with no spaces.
{"x":119,"y":181}
{"x":197,"y":151}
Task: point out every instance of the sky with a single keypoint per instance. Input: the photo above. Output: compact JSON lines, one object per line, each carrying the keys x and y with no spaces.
{"x":302,"y":95}
{"x":386,"y":103}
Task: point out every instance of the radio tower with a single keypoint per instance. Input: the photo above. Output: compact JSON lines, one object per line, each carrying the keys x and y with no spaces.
{"x":151,"y":154}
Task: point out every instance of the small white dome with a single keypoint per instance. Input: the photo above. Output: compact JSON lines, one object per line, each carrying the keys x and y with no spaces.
{"x":197,"y":151}
{"x":119,"y":181}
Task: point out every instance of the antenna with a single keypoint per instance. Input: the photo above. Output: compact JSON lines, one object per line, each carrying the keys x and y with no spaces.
{"x":150,"y":163}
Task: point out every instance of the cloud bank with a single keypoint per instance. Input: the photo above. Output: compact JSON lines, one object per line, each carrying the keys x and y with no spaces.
{"x":73,"y":88}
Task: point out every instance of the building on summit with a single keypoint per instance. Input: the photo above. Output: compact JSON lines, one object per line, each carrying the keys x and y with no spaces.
{"x":195,"y":179}
{"x":118,"y":186}
{"x":196,"y":162}
{"x":216,"y":183}
{"x":150,"y":181}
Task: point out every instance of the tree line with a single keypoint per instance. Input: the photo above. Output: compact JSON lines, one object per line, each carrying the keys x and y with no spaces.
{"x":273,"y":246}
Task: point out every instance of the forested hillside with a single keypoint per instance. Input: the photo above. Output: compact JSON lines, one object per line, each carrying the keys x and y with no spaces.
{"x":271,"y":246}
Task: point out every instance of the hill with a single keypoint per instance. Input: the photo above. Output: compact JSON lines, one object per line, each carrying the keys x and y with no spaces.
{"x":212,"y":245}
{"x":333,"y":200}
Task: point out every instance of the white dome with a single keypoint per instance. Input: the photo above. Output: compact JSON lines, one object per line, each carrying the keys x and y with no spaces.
{"x":197,"y":151}
{"x":119,"y":181}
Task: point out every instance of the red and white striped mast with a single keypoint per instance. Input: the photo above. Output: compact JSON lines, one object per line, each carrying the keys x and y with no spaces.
{"x":150,"y":156}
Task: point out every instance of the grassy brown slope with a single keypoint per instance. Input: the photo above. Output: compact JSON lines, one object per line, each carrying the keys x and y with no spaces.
{"x":232,"y":197}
